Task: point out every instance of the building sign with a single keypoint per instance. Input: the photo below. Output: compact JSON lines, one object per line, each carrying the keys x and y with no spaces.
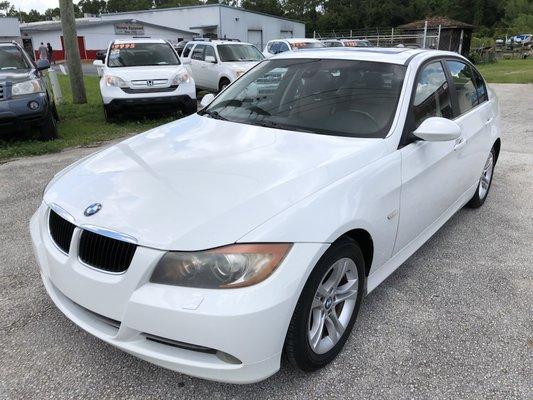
{"x":129,"y":29}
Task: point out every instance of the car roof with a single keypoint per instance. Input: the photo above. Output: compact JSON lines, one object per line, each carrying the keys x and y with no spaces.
{"x":139,"y":40}
{"x":392,"y":55}
{"x":297,"y":40}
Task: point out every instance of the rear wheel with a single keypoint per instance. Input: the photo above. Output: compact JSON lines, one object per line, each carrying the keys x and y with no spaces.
{"x":485,"y":182}
{"x":327,"y":308}
{"x":223,"y":83}
{"x":48,"y":130}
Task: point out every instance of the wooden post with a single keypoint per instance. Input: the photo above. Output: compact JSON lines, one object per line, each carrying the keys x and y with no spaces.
{"x":72,"y":52}
{"x":425,"y":33}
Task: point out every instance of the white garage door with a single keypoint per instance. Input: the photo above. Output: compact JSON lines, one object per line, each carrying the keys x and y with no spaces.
{"x":255,"y":37}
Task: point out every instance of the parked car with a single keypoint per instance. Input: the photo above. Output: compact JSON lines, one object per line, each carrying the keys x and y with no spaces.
{"x":143,"y":75}
{"x":26,"y":99}
{"x":347,"y":43}
{"x":180,"y":46}
{"x":100,"y":55}
{"x":216,"y":243}
{"x":214,"y":64}
{"x":282,"y":45}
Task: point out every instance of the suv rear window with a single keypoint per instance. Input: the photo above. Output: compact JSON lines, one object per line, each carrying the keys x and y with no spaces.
{"x":11,"y":58}
{"x":141,"y":54}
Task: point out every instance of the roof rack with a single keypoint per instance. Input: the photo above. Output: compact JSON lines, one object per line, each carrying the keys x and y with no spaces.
{"x":201,"y":39}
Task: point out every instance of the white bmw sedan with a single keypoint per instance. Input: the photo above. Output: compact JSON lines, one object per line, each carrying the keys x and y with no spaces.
{"x":215,"y":244}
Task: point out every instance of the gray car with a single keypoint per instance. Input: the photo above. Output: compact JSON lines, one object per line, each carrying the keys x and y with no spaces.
{"x":26,"y":100}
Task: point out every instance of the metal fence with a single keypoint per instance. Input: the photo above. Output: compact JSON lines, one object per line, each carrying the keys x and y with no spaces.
{"x":389,"y":37}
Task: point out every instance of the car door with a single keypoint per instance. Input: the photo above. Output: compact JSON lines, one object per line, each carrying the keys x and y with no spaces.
{"x":475,"y":116}
{"x":198,"y":65}
{"x":430,"y":170}
{"x":211,"y":68}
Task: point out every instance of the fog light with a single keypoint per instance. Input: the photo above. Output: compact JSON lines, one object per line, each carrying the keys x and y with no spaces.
{"x":33,"y":105}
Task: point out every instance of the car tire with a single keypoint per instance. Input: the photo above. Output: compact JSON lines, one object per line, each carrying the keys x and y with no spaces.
{"x":223,"y":83}
{"x":485,"y":181}
{"x":189,"y":108}
{"x":309,"y":344}
{"x":109,"y":114}
{"x":48,"y":130}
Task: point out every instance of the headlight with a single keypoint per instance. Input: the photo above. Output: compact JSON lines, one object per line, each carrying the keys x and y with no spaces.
{"x":180,"y":78}
{"x":222,"y":268}
{"x":115,"y":81}
{"x":27,"y":87}
{"x":239,"y":72}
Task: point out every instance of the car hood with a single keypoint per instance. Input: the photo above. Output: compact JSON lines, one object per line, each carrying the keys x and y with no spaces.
{"x":149,"y":72}
{"x":241,"y":65}
{"x":199,"y":183}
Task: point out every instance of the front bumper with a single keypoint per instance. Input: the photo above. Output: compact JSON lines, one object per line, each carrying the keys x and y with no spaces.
{"x":249,"y":324}
{"x":15,"y":115}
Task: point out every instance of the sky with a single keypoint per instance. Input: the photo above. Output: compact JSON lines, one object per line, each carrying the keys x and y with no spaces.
{"x":39,"y":5}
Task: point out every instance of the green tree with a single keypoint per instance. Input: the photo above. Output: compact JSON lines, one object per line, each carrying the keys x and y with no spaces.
{"x":267,"y":6}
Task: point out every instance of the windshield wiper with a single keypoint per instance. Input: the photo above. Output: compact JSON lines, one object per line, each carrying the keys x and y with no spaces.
{"x":213,"y":114}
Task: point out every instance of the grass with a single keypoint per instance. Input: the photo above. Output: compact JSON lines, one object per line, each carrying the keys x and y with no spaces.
{"x":80,"y":125}
{"x":508,"y":71}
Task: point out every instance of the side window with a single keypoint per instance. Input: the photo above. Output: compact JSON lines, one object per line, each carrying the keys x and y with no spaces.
{"x":187,"y":50}
{"x":274,"y":48}
{"x":283,"y":47}
{"x":198,"y":52}
{"x":480,"y":87}
{"x":210,"y":51}
{"x":464,"y":85}
{"x":432,"y":95}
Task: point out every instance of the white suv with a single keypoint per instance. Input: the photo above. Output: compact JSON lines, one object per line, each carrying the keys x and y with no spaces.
{"x":282,"y":45}
{"x":144,"y":74}
{"x":215,"y":64}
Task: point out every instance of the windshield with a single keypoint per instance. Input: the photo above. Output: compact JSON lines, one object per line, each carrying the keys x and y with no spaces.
{"x":334,"y":97}
{"x":141,"y":54}
{"x":306,"y":45}
{"x":11,"y":58}
{"x":239,"y":52}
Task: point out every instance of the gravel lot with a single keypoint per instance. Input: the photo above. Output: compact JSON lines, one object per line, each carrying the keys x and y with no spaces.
{"x":454,"y":322}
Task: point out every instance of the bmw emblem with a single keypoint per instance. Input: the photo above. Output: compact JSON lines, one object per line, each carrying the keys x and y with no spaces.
{"x":92,"y":209}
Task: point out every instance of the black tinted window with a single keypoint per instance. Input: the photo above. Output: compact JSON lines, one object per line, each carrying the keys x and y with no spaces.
{"x":187,"y":50}
{"x":198,"y":52}
{"x":432,"y":95}
{"x":480,"y":87}
{"x":464,"y":85}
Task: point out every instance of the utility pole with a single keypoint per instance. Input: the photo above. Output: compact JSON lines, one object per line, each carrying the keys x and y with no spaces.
{"x":70,"y":39}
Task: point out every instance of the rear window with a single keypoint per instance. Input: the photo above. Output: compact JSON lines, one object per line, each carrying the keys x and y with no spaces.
{"x":11,"y":58}
{"x":141,"y":54}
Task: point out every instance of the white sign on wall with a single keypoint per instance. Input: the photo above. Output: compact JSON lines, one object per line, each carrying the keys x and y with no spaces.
{"x":129,"y":29}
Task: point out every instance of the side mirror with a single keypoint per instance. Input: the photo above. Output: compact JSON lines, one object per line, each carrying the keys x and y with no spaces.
{"x":208,"y":98}
{"x":42,"y":64}
{"x":98,"y":63}
{"x":210,"y":59}
{"x":437,"y":129}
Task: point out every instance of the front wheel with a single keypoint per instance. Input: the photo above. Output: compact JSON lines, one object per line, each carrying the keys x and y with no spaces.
{"x":48,"y":130}
{"x":327,"y":308}
{"x":224,"y":82}
{"x":485,"y":182}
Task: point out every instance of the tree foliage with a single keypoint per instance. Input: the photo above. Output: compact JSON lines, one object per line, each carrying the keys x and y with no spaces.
{"x":491,"y":17}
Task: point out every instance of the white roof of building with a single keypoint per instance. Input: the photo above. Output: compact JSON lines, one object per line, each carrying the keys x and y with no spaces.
{"x":94,"y":21}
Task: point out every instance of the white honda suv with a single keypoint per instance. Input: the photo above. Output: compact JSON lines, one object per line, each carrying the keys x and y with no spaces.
{"x":256,"y":227}
{"x":214,"y":64}
{"x":141,"y":75}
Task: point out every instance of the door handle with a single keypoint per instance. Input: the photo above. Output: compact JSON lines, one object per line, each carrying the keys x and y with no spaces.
{"x":488,"y":120}
{"x":459,"y":143}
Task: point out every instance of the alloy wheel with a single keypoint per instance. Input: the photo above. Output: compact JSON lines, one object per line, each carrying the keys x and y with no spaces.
{"x":486,"y":176}
{"x":333,"y":305}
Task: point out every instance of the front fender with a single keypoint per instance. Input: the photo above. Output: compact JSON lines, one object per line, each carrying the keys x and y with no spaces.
{"x":368,"y":199}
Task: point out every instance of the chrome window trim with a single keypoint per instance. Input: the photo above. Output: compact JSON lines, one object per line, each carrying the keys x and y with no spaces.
{"x":110,"y":233}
